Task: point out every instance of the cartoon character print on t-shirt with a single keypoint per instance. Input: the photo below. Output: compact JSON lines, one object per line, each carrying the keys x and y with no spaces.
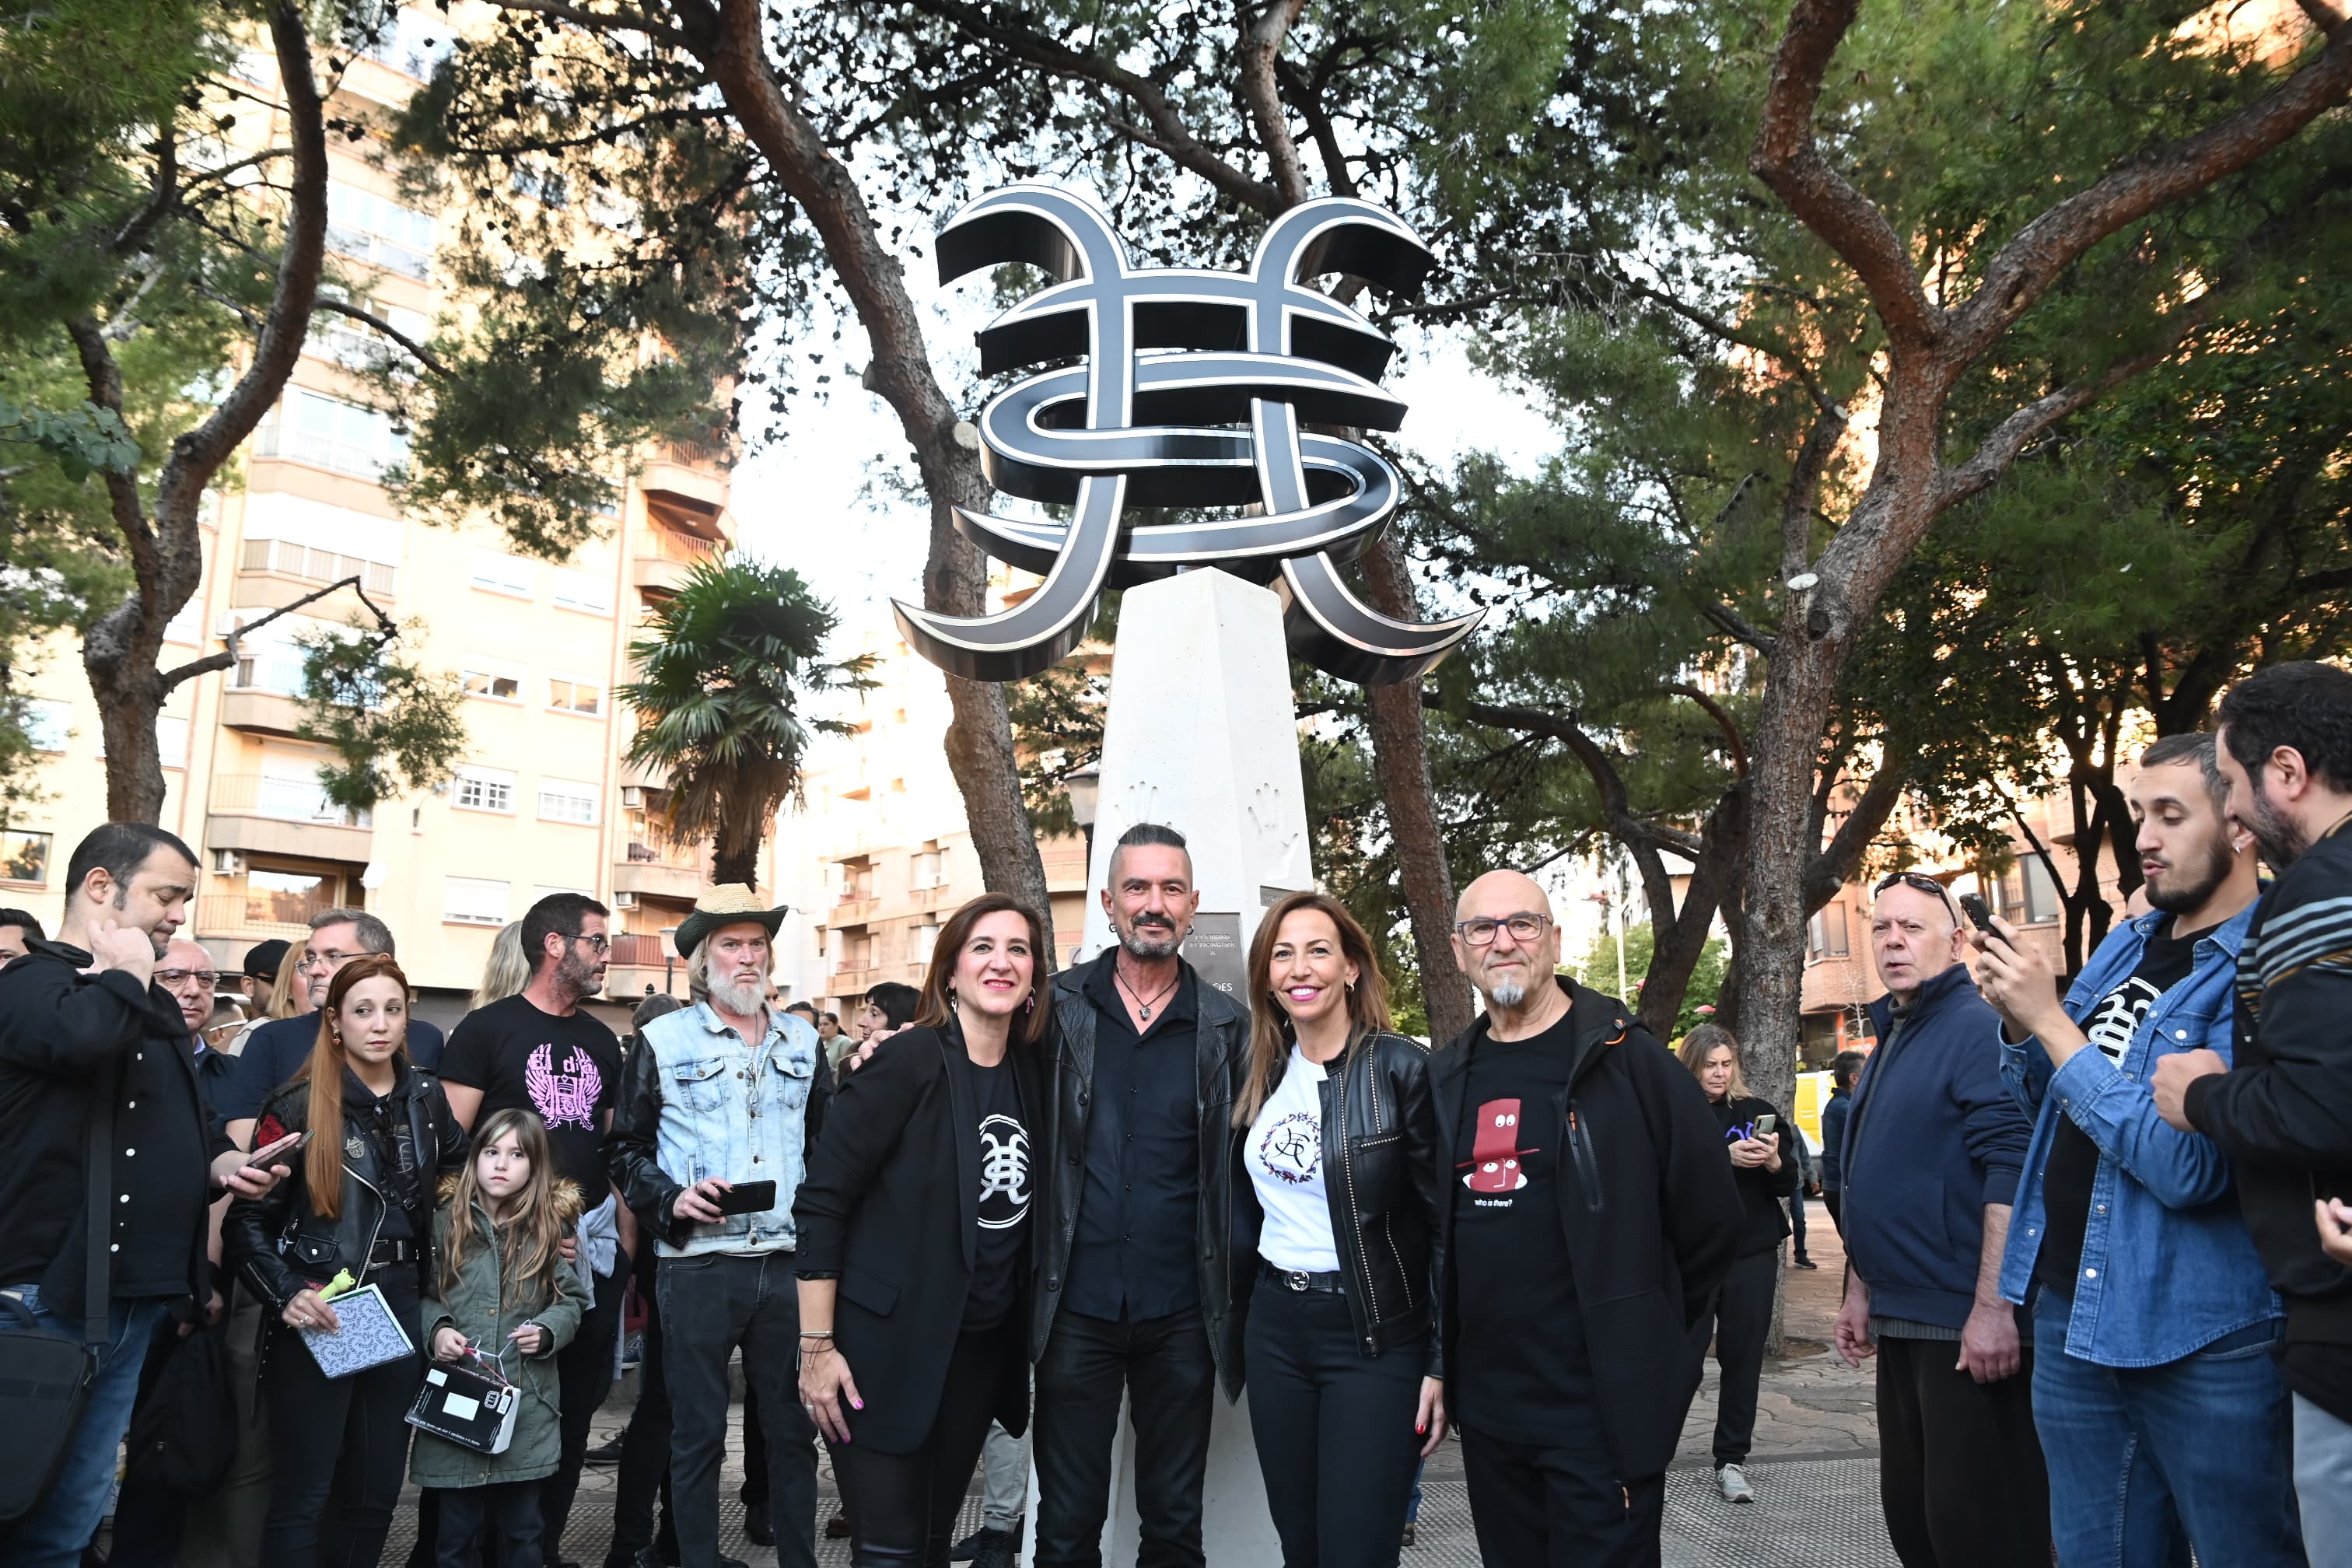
{"x":2118,"y":1016}
{"x":1292,"y":1149}
{"x":565,"y":1099}
{"x":1495,"y":1153}
{"x":1004,"y":1173}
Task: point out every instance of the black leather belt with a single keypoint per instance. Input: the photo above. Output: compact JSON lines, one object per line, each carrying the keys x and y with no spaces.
{"x":1299,"y":1279}
{"x":393,"y":1249}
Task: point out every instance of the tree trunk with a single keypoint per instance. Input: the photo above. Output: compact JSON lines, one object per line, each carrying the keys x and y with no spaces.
{"x":1677,"y":944}
{"x":1401,"y":757}
{"x":978,"y":743}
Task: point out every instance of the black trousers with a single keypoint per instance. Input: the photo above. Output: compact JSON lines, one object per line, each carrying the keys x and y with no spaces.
{"x":583,"y":1374}
{"x":316,"y":1423}
{"x":644,"y":1444}
{"x":1743,"y":1318}
{"x":148,"y":1519}
{"x":1960,"y":1466}
{"x":902,"y":1507}
{"x":1834,"y":1201}
{"x":1797,"y":1220}
{"x":754,"y":1490}
{"x":1559,"y":1507}
{"x":507,"y":1513}
{"x":1165,"y":1367}
{"x":710,"y":1304}
{"x":1333,"y":1429}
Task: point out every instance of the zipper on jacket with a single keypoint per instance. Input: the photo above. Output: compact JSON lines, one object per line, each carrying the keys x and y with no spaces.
{"x":1348,"y":1174}
{"x":1588,"y":1168}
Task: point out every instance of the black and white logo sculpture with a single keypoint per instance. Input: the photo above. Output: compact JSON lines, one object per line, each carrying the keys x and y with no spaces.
{"x":1193,"y":392}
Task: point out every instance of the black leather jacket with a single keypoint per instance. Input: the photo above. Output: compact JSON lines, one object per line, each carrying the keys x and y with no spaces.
{"x":1223,"y":1051}
{"x":279,"y":1245}
{"x":1380,"y":1158}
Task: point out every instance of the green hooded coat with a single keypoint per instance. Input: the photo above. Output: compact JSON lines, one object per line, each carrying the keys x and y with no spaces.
{"x":473,"y":1310}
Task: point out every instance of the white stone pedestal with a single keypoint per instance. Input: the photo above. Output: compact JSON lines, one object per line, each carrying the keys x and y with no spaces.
{"x":1201,"y":737}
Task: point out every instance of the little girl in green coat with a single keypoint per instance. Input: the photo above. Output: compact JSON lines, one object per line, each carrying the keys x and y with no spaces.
{"x":502,"y":1290}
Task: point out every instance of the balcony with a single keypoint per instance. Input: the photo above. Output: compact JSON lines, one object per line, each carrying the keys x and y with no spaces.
{"x":690,"y":476}
{"x":284,"y":816}
{"x":284,"y":558}
{"x":659,"y":872}
{"x":855,"y":981}
{"x":378,"y":251}
{"x":362,"y":459}
{"x":251,"y":917}
{"x":259,"y":711}
{"x":853,"y":912}
{"x":664,"y":556}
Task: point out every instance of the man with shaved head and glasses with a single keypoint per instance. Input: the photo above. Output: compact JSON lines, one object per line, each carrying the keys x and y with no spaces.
{"x":1934,"y":1148}
{"x":1592,"y":1217}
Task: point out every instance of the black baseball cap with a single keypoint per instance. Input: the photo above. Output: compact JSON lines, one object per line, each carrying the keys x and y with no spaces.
{"x":264,"y":959}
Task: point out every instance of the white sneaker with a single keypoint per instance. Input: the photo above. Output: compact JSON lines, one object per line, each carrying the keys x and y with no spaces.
{"x":1732,"y":1482}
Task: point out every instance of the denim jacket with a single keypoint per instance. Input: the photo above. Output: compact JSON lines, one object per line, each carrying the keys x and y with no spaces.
{"x":697,"y":1102}
{"x":2162,"y":1208}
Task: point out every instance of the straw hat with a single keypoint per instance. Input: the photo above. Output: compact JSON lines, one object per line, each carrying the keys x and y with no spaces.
{"x":728,"y":904}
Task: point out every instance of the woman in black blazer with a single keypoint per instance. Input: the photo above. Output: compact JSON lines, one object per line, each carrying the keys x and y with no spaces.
{"x":913,"y":1307}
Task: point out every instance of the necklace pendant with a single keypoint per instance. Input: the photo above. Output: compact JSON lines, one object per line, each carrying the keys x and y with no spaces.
{"x":1147,"y":1015}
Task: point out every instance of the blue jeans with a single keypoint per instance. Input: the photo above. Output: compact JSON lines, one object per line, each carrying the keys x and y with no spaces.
{"x":2323,"y":1480}
{"x":62,"y":1523}
{"x":2143,"y":1461}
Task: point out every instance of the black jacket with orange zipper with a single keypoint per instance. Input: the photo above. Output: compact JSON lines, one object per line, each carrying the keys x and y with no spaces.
{"x":1649,"y":1212}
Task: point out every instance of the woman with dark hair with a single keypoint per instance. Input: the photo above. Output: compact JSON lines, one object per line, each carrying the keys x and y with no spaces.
{"x":1334,"y":1214}
{"x":360,"y":1202}
{"x":1764,"y":1167}
{"x":915,"y":1310}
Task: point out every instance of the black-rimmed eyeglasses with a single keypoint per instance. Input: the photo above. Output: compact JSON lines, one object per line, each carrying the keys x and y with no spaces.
{"x":1481,"y":933}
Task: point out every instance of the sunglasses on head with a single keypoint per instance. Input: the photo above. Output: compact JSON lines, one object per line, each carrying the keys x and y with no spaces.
{"x":1924,"y":883}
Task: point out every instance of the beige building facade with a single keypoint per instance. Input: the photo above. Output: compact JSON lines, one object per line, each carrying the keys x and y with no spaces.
{"x":541,"y":800}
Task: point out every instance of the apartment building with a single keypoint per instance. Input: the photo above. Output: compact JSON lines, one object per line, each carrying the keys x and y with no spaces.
{"x":542,"y":802}
{"x":879,"y":853}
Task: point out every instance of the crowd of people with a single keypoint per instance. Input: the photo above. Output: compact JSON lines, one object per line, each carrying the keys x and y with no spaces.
{"x":2096,"y":1236}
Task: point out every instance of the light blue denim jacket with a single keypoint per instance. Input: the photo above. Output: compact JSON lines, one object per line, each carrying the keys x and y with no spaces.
{"x":2162,"y":1207}
{"x":733,"y":1112}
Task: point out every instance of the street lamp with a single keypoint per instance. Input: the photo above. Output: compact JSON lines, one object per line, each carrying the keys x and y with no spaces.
{"x":1085,"y":785}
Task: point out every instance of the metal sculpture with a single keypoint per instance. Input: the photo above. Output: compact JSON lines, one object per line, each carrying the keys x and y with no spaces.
{"x":1193,"y":392}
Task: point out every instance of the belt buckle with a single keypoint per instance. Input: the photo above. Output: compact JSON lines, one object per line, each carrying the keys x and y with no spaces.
{"x":1295,"y":1278}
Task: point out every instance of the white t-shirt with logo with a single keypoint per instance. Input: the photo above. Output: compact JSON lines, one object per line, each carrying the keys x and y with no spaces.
{"x":1285,"y":1157}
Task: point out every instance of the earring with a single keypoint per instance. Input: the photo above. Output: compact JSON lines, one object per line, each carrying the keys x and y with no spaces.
{"x":1031,"y":1005}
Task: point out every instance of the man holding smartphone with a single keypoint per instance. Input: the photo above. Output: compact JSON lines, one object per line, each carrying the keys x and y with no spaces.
{"x":1934,"y":1147}
{"x":2155,"y":1388}
{"x":720,"y":1103}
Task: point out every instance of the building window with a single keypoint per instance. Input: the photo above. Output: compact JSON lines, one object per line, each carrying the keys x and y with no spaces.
{"x":486,"y":789}
{"x":543,"y":185}
{"x":2042,"y":900}
{"x":500,"y":573}
{"x":582,"y":591}
{"x":491,"y":678}
{"x":575,"y":696}
{"x":24,"y":856}
{"x":559,"y":800}
{"x":473,"y":901}
{"x":344,"y":437}
{"x":48,"y":722}
{"x":922,"y":941}
{"x":1825,"y":934}
{"x":172,"y":740}
{"x":351,"y":344}
{"x":382,"y":233}
{"x":929,"y":870}
{"x":289,"y":897}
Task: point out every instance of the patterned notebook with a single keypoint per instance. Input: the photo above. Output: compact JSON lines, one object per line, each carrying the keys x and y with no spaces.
{"x":370,"y":1335}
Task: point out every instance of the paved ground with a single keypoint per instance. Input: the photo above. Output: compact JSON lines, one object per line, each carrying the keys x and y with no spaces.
{"x":1814,"y":1467}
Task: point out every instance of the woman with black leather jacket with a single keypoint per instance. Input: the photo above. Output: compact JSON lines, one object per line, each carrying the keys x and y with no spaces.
{"x":1335,"y":1231}
{"x":360,"y":1202}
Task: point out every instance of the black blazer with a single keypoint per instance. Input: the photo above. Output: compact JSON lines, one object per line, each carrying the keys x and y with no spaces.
{"x":903,"y":1131}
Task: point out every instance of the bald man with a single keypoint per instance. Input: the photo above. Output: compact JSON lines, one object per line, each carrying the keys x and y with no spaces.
{"x":1593,"y":1215}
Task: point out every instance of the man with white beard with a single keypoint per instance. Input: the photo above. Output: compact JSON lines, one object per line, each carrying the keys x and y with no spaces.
{"x":718,"y":1095}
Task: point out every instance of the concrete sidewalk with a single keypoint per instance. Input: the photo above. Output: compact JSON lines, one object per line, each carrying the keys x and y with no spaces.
{"x":1814,"y":1467}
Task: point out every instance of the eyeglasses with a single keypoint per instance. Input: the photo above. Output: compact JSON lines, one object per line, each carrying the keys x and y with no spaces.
{"x":330,"y":959}
{"x":1925,"y":884}
{"x":205,"y":979}
{"x":602,"y":943}
{"x":1523,"y":929}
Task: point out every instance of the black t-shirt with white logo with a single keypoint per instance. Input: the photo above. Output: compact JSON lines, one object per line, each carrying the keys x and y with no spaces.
{"x":2074,"y":1163}
{"x":566,"y":1066}
{"x":1004,"y":1193}
{"x":1522,"y":1368}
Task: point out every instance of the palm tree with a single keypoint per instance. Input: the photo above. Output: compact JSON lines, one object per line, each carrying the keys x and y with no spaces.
{"x":728,"y":659}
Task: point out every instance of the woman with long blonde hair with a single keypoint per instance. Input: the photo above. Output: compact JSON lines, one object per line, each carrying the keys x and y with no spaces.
{"x":358,"y":1205}
{"x":1335,"y":1219}
{"x":506,"y":972}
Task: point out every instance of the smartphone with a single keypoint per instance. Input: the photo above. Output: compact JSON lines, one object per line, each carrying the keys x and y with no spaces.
{"x":747,"y":1197}
{"x":260,"y":1158}
{"x":1764,"y":1125}
{"x":1978,"y":911}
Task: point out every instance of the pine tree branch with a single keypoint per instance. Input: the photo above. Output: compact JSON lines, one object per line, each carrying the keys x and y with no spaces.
{"x":1261,"y":46}
{"x":416,"y":350}
{"x":386,"y":629}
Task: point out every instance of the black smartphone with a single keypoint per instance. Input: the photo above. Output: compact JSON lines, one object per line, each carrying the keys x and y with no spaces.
{"x":261,"y":1158}
{"x":1978,"y":911}
{"x":747,"y":1197}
